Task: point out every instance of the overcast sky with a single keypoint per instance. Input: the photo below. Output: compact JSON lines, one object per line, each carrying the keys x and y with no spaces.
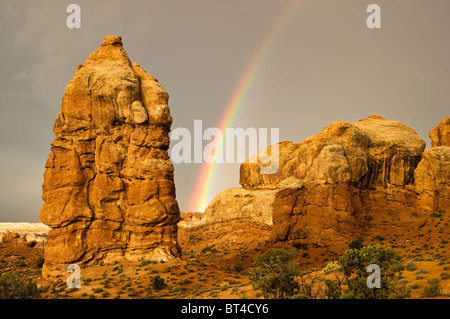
{"x":325,"y":66}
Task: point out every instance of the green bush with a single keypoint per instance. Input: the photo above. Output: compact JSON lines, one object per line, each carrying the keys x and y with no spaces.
{"x":145,"y":262}
{"x":354,"y":263}
{"x":378,"y":237}
{"x":438,"y":214}
{"x":273,"y":273}
{"x":444,"y":275}
{"x":433,"y":289}
{"x":178,"y":289}
{"x":332,"y":266}
{"x":157,"y":283}
{"x":12,"y":286}
{"x":333,"y":289}
{"x":358,"y":243}
{"x":238,"y":267}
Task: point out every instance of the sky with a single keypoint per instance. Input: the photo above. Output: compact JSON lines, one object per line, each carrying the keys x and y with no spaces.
{"x":323,"y":64}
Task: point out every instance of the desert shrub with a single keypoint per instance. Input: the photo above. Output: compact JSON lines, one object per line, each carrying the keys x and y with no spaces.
{"x":40,"y":262}
{"x":444,"y":275}
{"x":186,"y":281}
{"x":433,"y":289}
{"x":12,"y":286}
{"x":332,"y":266}
{"x":410,"y":266}
{"x":21,"y":263}
{"x":178,"y":289}
{"x":414,"y":286}
{"x":238,"y":267}
{"x":273,"y":273}
{"x":210,"y":249}
{"x":354,"y":263}
{"x":157,"y":283}
{"x":97,"y":290}
{"x":378,"y":237}
{"x":437,"y":214}
{"x":333,"y":289}
{"x":421,"y":271}
{"x":358,"y":243}
{"x":145,"y":262}
{"x":118,"y":268}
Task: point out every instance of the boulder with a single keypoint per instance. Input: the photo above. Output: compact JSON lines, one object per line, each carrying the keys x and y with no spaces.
{"x":243,"y":205}
{"x":13,"y":238}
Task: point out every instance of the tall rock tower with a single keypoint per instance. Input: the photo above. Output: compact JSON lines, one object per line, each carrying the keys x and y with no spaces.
{"x":108,"y":186}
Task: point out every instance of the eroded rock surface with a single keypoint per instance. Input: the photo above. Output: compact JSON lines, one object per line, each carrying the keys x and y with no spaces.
{"x":440,"y":135}
{"x":348,"y":180}
{"x":108,"y":185}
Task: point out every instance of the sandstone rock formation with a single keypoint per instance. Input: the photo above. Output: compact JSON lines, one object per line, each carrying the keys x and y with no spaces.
{"x":440,"y":135}
{"x":342,"y":182}
{"x":36,"y":232}
{"x":432,"y":179}
{"x":12,"y":238}
{"x":243,"y":205}
{"x":108,"y":185}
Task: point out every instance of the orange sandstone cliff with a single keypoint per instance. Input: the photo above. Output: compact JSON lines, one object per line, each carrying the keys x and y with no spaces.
{"x":349,"y":180}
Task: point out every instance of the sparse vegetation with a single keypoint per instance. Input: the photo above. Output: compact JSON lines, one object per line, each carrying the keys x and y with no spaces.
{"x":358,"y":243}
{"x":13,"y":286}
{"x":378,"y":237}
{"x":221,"y":269}
{"x":273,"y":273}
{"x":410,"y":266}
{"x":433,"y":289}
{"x":40,"y":262}
{"x":444,"y":275}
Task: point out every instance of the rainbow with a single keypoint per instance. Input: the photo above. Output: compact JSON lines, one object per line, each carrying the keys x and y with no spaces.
{"x":201,"y":195}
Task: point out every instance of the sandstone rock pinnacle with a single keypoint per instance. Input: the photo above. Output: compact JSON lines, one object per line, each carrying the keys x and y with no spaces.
{"x":108,"y":186}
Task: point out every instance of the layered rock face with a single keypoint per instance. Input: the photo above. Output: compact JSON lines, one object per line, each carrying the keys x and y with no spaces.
{"x":440,"y":135}
{"x":344,"y":181}
{"x":108,"y":186}
{"x":242,"y":205}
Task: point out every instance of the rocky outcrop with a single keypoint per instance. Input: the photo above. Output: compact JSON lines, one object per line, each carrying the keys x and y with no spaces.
{"x":343,"y":182}
{"x":432,"y":179}
{"x":243,"y":205}
{"x":32,"y":232}
{"x":372,"y":152}
{"x":12,"y":238}
{"x":440,"y":135}
{"x":108,"y":186}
